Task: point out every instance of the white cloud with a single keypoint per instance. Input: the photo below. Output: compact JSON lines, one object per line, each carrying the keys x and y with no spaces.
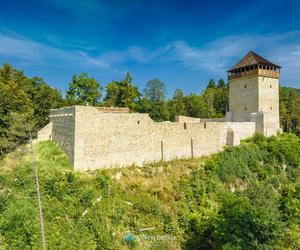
{"x":219,"y":55}
{"x":214,"y":57}
{"x":25,"y":50}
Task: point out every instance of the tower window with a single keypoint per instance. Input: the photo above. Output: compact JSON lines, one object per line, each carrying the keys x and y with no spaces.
{"x":245,"y":86}
{"x":271,"y":107}
{"x":270,"y":86}
{"x":138,"y":122}
{"x":184,"y":125}
{"x":204,"y":125}
{"x":245,"y":108}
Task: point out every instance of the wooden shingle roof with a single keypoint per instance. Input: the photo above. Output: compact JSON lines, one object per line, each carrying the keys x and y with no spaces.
{"x":252,"y":59}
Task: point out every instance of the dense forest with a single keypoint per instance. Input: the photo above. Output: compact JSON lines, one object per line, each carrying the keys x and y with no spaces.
{"x":25,"y":102}
{"x":246,"y":197}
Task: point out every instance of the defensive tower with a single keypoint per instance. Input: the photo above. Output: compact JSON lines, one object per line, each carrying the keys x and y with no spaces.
{"x":254,"y":93}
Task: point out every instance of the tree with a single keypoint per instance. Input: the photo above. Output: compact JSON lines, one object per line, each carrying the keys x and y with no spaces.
{"x":16,"y":109}
{"x":221,"y":83}
{"x":290,"y":109}
{"x":44,"y":99}
{"x":155,"y":90}
{"x":177,"y":104}
{"x":217,"y":97}
{"x":112,"y":94}
{"x":24,"y":106}
{"x":153,"y":101}
{"x":197,"y":107}
{"x":211,"y":84}
{"x":83,"y":90}
{"x":122,"y":94}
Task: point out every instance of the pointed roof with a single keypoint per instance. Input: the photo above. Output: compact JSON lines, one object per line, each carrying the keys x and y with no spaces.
{"x":252,"y":59}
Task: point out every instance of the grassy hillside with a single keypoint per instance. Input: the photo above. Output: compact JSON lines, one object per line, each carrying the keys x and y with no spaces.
{"x":247,"y":197}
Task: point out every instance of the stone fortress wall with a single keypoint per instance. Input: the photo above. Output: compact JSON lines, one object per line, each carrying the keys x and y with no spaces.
{"x":63,"y":130}
{"x":95,"y":139}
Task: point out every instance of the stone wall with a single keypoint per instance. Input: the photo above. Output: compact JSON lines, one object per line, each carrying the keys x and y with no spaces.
{"x":243,"y":98}
{"x":116,"y":140}
{"x":63,"y":129}
{"x":45,"y":133}
{"x":269,"y":104}
{"x":95,"y":139}
{"x":182,"y":118}
{"x":258,"y":118}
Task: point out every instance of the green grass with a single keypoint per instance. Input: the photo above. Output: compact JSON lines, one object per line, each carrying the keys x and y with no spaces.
{"x":246,"y":197}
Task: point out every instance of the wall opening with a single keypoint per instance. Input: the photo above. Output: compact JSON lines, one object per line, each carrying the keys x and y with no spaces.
{"x":204,"y":125}
{"x":184,"y":125}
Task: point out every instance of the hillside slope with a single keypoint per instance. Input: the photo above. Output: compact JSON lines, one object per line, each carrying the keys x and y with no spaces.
{"x":247,"y":197}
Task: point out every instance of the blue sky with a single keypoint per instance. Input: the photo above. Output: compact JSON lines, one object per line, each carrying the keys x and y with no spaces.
{"x":184,"y":43}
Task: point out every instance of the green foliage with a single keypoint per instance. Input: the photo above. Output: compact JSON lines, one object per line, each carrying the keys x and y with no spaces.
{"x":211,"y":84}
{"x":122,"y":94}
{"x":24,"y":106}
{"x":153,"y":101}
{"x":254,"y":209}
{"x":177,"y":104}
{"x":44,"y":98}
{"x":83,"y":90}
{"x":211,"y":103}
{"x":246,"y":197}
{"x":197,"y":107}
{"x":19,"y":225}
{"x":158,"y":110}
{"x":290,"y":109}
{"x":155,"y":90}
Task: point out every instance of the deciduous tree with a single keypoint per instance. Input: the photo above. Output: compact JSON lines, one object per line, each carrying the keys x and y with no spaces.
{"x":83,"y":90}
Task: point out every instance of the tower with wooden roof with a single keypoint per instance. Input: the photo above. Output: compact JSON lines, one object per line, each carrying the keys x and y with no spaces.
{"x":254,"y":93}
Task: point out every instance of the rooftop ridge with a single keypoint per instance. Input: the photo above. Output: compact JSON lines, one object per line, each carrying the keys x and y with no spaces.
{"x":251,"y":58}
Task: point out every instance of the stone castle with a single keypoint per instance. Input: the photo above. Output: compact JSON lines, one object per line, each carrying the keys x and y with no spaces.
{"x":97,"y":137}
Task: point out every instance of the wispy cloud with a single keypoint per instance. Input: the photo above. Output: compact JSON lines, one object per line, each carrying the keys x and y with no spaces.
{"x":13,"y":46}
{"x":215,"y":57}
{"x":220,"y":54}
